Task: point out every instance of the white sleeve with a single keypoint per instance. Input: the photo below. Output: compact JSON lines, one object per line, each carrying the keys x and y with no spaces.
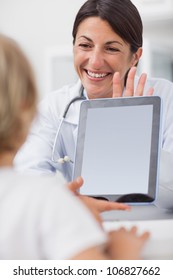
{"x":167,"y":125}
{"x":165,"y":88}
{"x":67,"y":227}
{"x":166,"y":170}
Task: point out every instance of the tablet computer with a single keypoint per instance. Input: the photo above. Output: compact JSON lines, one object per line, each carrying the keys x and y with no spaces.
{"x":117,"y":150}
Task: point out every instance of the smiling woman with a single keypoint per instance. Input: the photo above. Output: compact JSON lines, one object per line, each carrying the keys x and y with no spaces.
{"x":97,"y":56}
{"x":107,"y":44}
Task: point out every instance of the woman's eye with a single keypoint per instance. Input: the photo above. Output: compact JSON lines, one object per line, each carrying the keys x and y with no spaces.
{"x":112,"y":49}
{"x":85,"y":46}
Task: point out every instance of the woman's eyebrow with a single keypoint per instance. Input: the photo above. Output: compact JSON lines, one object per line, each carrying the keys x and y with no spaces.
{"x":84,"y":37}
{"x":113,"y":42}
{"x":107,"y":43}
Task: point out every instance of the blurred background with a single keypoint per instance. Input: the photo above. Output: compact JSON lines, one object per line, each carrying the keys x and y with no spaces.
{"x":43,"y":29}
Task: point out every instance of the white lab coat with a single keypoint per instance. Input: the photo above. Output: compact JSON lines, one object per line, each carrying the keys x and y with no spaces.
{"x":36,"y":153}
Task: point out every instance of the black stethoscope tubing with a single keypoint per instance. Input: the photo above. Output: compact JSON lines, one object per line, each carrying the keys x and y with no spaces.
{"x":77,"y":98}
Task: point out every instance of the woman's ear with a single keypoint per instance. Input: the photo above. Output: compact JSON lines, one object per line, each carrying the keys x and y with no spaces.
{"x":136,"y":56}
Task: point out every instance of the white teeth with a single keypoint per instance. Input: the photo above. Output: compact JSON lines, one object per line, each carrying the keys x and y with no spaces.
{"x":96,"y":75}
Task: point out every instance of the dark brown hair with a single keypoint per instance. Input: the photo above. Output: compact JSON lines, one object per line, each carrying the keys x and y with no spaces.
{"x":121,"y":15}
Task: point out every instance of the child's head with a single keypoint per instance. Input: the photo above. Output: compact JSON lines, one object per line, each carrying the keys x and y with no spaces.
{"x":18,"y":95}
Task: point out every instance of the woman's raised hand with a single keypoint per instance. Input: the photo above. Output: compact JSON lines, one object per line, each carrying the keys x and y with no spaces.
{"x":129,"y":89}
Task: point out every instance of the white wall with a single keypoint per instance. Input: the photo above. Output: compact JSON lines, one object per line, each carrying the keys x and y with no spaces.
{"x":157,"y":17}
{"x":39,"y":25}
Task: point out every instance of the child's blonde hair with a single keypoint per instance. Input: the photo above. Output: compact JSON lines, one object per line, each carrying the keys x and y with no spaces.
{"x":18,"y":92}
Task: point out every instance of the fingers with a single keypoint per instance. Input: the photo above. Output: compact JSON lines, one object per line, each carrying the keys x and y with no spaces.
{"x":129,"y":91}
{"x":145,"y":236}
{"x":141,"y":84}
{"x":76,"y":184}
{"x":117,"y":90}
{"x":108,"y":206}
{"x":150,"y":91}
{"x":103,"y":205}
{"x":134,"y":231}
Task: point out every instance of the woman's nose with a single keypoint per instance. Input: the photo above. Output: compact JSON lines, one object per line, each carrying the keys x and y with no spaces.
{"x":96,"y":59}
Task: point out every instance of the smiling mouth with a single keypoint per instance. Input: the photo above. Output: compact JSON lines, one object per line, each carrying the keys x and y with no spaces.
{"x":96,"y":75}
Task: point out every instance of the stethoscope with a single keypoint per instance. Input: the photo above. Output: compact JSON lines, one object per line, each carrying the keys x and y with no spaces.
{"x":65,"y":159}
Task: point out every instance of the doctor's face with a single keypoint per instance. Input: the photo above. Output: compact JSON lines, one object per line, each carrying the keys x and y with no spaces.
{"x":98,"y":53}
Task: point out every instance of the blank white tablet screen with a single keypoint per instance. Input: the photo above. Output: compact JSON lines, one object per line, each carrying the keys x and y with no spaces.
{"x":117,"y":146}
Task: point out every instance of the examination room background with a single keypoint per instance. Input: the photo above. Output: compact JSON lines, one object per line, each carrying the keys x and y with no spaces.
{"x":43,"y":28}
